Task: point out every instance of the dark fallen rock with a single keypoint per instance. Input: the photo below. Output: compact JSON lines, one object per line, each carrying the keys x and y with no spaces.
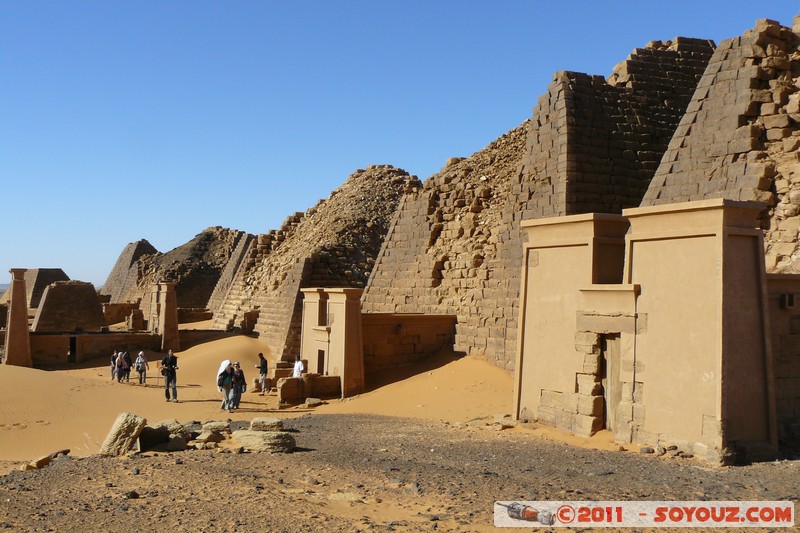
{"x":152,"y":438}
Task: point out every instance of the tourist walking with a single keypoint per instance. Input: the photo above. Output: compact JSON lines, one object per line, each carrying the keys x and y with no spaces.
{"x":119,"y":365}
{"x":142,"y":367}
{"x":299,"y":368}
{"x":169,"y":367}
{"x":113,"y":365}
{"x":126,"y":358}
{"x":225,"y":384}
{"x":238,"y":385}
{"x":262,"y":367}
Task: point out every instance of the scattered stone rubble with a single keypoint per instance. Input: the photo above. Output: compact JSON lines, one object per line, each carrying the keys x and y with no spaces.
{"x":45,"y":460}
{"x":131,"y":431}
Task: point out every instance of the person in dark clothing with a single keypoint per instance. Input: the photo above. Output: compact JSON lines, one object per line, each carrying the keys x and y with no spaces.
{"x":169,"y":366}
{"x":126,"y":357}
{"x":263,"y":368}
{"x":238,"y":386}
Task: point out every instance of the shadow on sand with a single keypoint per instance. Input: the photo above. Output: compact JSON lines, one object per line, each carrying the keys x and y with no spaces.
{"x":382,"y":378}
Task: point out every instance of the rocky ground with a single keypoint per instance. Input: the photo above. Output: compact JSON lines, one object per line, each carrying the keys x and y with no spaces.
{"x":358,"y":473}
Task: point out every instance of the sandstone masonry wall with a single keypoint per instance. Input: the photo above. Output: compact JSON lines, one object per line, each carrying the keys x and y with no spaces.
{"x":240,"y":253}
{"x":444,"y":254}
{"x":596,"y":143}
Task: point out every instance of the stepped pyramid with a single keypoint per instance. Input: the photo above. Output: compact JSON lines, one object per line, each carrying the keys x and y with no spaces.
{"x":740,"y":136}
{"x":124,"y":276}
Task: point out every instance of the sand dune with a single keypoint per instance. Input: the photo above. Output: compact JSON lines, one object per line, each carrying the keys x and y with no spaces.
{"x":44,"y":411}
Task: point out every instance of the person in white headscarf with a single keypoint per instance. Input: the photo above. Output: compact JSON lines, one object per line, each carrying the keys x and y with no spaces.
{"x":224,"y":382}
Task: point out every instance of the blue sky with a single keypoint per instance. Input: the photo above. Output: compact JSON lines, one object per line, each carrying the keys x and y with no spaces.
{"x":129,"y":120}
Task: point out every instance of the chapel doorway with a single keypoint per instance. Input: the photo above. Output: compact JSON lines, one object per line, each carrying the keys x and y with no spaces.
{"x":609,"y":377}
{"x":72,"y":354}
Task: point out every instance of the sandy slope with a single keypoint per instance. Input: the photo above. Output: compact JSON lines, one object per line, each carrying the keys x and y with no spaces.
{"x":41,"y":411}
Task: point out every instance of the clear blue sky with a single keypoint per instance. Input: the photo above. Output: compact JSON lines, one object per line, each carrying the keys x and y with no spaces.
{"x":129,"y":120}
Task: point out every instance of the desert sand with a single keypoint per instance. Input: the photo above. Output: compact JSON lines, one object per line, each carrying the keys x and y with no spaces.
{"x":45,"y":411}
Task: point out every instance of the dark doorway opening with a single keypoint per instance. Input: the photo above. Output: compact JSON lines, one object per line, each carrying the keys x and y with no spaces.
{"x":609,"y":377}
{"x":321,"y":362}
{"x":72,"y":354}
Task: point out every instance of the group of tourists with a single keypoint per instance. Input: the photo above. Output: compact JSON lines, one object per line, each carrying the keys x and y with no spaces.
{"x":231,"y":380}
{"x":231,"y":383}
{"x":121,"y":365}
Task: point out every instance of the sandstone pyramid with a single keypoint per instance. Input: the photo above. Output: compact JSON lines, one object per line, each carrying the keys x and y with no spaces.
{"x":195,"y":267}
{"x":36,"y":281}
{"x":740,"y":135}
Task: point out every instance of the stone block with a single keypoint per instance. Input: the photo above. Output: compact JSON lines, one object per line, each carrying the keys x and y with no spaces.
{"x":625,"y":410}
{"x":551,"y":399}
{"x":776,"y":121}
{"x":791,"y":144}
{"x":123,"y":434}
{"x":290,"y":390}
{"x":266,"y":424}
{"x":591,"y":363}
{"x":210,"y":436}
{"x":564,"y":420}
{"x":783,"y":249}
{"x":744,"y":145}
{"x":216,"y":425}
{"x":778,"y":134}
{"x":627,"y":390}
{"x":172,"y":426}
{"x":638,"y":413}
{"x":546,"y":415}
{"x":590,"y":405}
{"x":586,"y":426}
{"x":265,"y":441}
{"x":569,"y":402}
{"x":588,"y":385}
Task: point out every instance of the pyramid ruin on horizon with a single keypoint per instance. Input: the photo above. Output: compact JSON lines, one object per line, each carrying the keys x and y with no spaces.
{"x":195,"y":267}
{"x":36,"y":281}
